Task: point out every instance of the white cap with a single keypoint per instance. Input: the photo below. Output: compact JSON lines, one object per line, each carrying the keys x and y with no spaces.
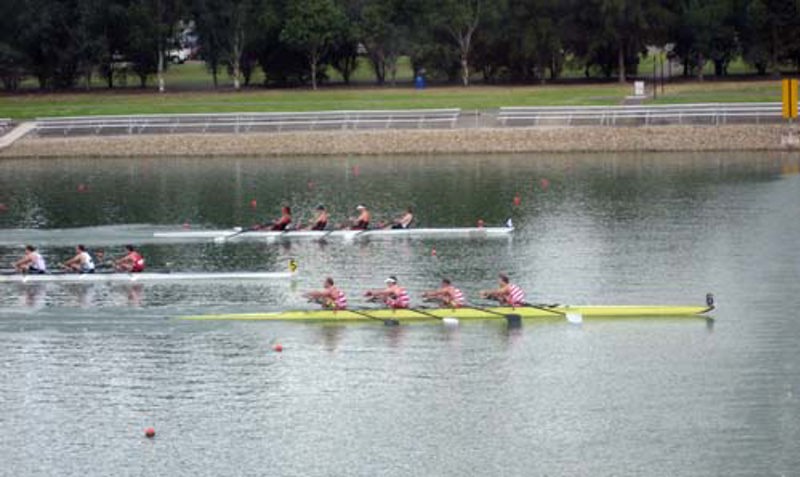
{"x":360,"y":207}
{"x":391,"y":279}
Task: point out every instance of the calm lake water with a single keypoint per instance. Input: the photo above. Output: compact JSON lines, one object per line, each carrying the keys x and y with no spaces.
{"x":85,"y":368}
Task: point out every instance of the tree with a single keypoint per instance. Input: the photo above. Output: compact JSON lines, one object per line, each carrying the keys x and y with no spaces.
{"x":384,"y":32}
{"x":47,"y":42}
{"x":164,"y":16}
{"x":619,"y":27}
{"x":312,"y":27}
{"x":12,"y":59}
{"x":460,"y":19}
{"x":224,"y":28}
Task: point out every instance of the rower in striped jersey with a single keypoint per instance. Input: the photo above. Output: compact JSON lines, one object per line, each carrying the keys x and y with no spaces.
{"x":329,"y":297}
{"x":447,"y":295}
{"x":394,"y":296}
{"x":507,"y":294}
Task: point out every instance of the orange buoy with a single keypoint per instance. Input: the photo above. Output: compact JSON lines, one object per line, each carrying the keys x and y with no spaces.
{"x":150,"y":432}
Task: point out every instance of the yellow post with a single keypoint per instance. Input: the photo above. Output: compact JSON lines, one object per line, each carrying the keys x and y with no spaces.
{"x":790,"y":99}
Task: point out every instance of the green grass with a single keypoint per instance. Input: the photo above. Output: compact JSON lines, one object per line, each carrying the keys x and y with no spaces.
{"x":189,"y":90}
{"x":27,"y":106}
{"x":721,"y":92}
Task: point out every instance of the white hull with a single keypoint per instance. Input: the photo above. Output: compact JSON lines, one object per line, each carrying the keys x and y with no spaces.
{"x":236,"y":234}
{"x":103,"y":277}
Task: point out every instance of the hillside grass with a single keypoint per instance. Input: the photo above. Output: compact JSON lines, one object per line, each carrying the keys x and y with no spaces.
{"x":190,"y":90}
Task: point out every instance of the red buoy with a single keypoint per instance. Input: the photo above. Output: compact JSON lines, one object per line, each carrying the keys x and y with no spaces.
{"x":150,"y":432}
{"x":544,"y":183}
{"x":277,"y":347}
{"x":253,"y":204}
{"x":433,"y":252}
{"x":517,"y":200}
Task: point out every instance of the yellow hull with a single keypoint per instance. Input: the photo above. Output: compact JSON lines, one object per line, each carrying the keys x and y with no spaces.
{"x":410,"y":315}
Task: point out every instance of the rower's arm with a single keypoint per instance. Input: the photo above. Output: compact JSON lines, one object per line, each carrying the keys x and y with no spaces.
{"x":378,"y":293}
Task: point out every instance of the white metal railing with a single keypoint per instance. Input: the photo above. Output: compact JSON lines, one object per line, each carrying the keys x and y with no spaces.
{"x":706,"y":113}
{"x":248,"y":122}
{"x":5,"y":124}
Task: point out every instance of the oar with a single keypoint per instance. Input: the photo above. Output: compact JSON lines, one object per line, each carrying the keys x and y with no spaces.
{"x":447,"y":320}
{"x":387,"y":322}
{"x":512,"y":318}
{"x":572,"y":317}
{"x":223,"y":238}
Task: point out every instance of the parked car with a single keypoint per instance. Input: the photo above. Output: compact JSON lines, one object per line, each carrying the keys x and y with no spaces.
{"x":179,"y":56}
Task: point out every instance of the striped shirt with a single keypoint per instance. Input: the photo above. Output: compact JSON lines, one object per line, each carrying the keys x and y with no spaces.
{"x":400,"y":299}
{"x":340,"y":303}
{"x":516,"y":296}
{"x":456,"y":297}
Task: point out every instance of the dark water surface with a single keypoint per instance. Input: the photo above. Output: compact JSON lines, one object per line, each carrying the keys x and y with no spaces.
{"x":84,"y":368}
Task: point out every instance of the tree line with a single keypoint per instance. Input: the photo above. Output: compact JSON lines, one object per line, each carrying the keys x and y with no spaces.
{"x":64,"y":43}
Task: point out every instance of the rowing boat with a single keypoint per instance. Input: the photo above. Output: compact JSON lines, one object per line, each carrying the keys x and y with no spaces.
{"x":101,"y":277}
{"x":240,"y":234}
{"x":432,"y":314}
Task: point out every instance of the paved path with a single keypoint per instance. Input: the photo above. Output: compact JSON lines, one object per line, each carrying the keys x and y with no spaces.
{"x":16,"y":133}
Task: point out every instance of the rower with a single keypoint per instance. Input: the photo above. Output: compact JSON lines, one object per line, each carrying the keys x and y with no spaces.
{"x":394,"y":296}
{"x":321,"y":221}
{"x":283,"y":222}
{"x":507,"y":294}
{"x":330,"y":297}
{"x":132,"y":262}
{"x":405,"y":220}
{"x":100,"y":260}
{"x":32,"y":262}
{"x":447,"y":295}
{"x":362,"y":221}
{"x":82,"y":262}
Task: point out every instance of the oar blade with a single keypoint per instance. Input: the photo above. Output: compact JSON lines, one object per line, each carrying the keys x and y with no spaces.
{"x":574,"y":318}
{"x":514,"y":320}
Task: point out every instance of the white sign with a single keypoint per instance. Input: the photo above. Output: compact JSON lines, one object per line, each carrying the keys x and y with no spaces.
{"x":638,"y":88}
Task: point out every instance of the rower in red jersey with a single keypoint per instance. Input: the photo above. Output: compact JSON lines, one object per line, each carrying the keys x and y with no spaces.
{"x":507,"y":294}
{"x":362,"y":221}
{"x":394,"y":296}
{"x":447,"y":295}
{"x":330,"y":297}
{"x":132,"y":262}
{"x":283,"y":222}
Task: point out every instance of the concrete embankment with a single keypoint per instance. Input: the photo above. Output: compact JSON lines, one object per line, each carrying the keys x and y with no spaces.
{"x":412,"y":141}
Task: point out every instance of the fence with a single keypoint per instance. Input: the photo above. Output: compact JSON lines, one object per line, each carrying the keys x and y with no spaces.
{"x":5,"y":125}
{"x":248,"y":122}
{"x":693,"y":114}
{"x":609,"y":116}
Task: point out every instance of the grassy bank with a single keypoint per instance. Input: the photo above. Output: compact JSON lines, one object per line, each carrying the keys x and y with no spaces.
{"x":26,"y":106}
{"x":189,"y":90}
